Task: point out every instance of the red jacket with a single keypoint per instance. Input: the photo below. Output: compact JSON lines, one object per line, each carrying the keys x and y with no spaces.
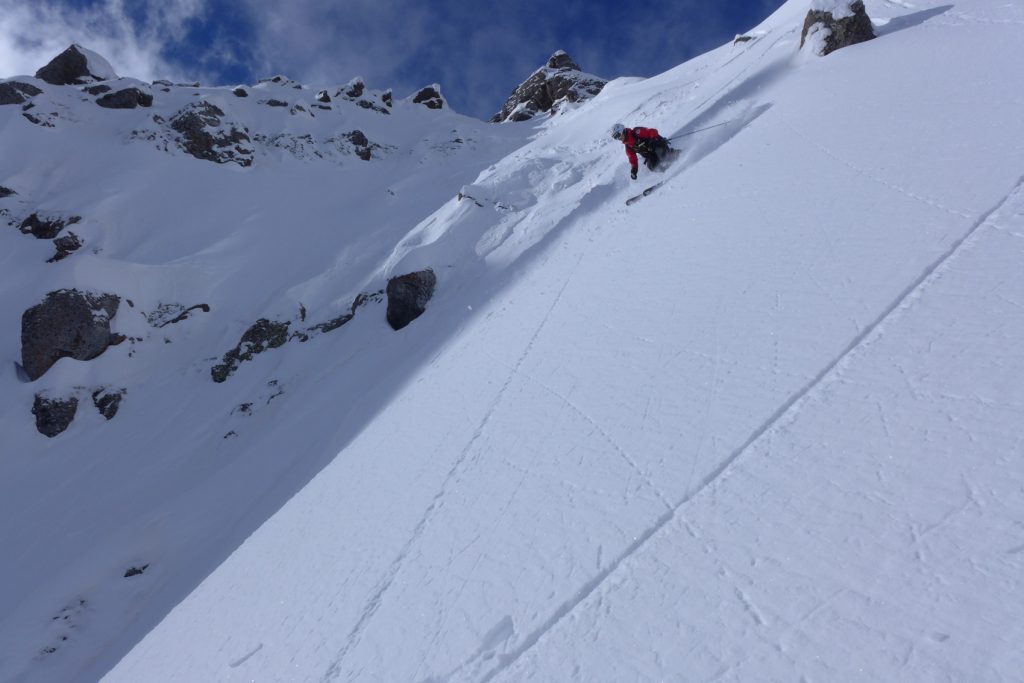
{"x":631,"y":137}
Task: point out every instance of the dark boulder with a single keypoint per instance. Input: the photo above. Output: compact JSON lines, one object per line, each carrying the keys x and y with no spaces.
{"x":204,"y":136}
{"x":430,"y":97}
{"x":97,"y":89}
{"x":322,"y":96}
{"x":276,"y":103}
{"x":66,"y":245}
{"x":73,"y":67}
{"x":67,"y":324}
{"x":6,"y":192}
{"x":560,"y":80}
{"x":262,"y":335}
{"x":387,"y":98}
{"x":129,"y":98}
{"x":240,"y":92}
{"x":46,"y":228}
{"x":408,"y":296}
{"x":13,"y":92}
{"x":53,"y":415}
{"x":107,"y":401}
{"x":851,"y":27}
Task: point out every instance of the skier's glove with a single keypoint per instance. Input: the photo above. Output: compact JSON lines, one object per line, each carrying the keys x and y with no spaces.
{"x":632,"y":175}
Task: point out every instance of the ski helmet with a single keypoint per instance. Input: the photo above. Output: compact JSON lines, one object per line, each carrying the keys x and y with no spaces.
{"x":617,"y":131}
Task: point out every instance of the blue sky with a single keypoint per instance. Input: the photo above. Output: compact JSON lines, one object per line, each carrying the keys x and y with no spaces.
{"x":478,"y":51}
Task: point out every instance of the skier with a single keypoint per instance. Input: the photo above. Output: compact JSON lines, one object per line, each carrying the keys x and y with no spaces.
{"x":645,"y":141}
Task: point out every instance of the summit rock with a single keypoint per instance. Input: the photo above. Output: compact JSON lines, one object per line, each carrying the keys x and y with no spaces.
{"x":76,"y":66}
{"x":560,"y":80}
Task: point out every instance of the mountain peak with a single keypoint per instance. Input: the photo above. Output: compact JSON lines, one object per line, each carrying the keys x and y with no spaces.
{"x":560,"y":80}
{"x":562,"y":60}
{"x":76,"y":66}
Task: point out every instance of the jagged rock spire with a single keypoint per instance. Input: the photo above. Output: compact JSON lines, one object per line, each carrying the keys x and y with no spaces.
{"x":560,"y":80}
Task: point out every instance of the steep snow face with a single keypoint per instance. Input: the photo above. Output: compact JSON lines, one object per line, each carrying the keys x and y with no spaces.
{"x":771,"y":411}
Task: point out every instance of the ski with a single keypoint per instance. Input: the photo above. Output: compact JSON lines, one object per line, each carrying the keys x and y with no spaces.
{"x":652,"y":188}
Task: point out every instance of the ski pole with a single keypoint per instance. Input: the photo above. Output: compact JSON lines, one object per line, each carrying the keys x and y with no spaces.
{"x":701,"y":130}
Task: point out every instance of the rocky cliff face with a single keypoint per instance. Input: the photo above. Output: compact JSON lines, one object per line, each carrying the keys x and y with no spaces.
{"x":560,"y":80}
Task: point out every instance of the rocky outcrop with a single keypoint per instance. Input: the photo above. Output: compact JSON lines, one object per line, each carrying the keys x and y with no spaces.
{"x":66,"y":245}
{"x":53,"y":415}
{"x":408,"y":296}
{"x":262,"y":335}
{"x":204,"y":136}
{"x":240,"y":92}
{"x":135,"y":571}
{"x":357,"y":92}
{"x":76,"y":66}
{"x":67,"y":324}
{"x":46,"y":228}
{"x":171,"y":314}
{"x":97,"y":89}
{"x":129,"y":98}
{"x":338,"y":321}
{"x":6,"y":192}
{"x":355,"y":88}
{"x":322,"y":96}
{"x":14,"y":92}
{"x":367,"y":104}
{"x":561,"y":80}
{"x":835,"y":24}
{"x":108,"y":402}
{"x":361,"y":144}
{"x":430,"y":97}
{"x":267,"y":334}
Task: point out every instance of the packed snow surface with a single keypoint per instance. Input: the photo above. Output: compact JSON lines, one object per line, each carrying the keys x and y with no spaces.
{"x":764,"y":424}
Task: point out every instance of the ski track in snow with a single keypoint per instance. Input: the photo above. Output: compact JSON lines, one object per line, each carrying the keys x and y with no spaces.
{"x":787,"y":411}
{"x":619,"y":450}
{"x":377,"y":597}
{"x":243,"y":659}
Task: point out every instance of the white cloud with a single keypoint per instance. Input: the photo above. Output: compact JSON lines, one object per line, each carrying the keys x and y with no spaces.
{"x":33,"y":33}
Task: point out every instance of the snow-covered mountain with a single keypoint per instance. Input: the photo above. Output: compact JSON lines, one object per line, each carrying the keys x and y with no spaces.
{"x":764,"y":424}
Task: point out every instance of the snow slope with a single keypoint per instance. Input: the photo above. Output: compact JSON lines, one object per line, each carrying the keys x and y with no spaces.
{"x":762,"y":425}
{"x":183,"y":473}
